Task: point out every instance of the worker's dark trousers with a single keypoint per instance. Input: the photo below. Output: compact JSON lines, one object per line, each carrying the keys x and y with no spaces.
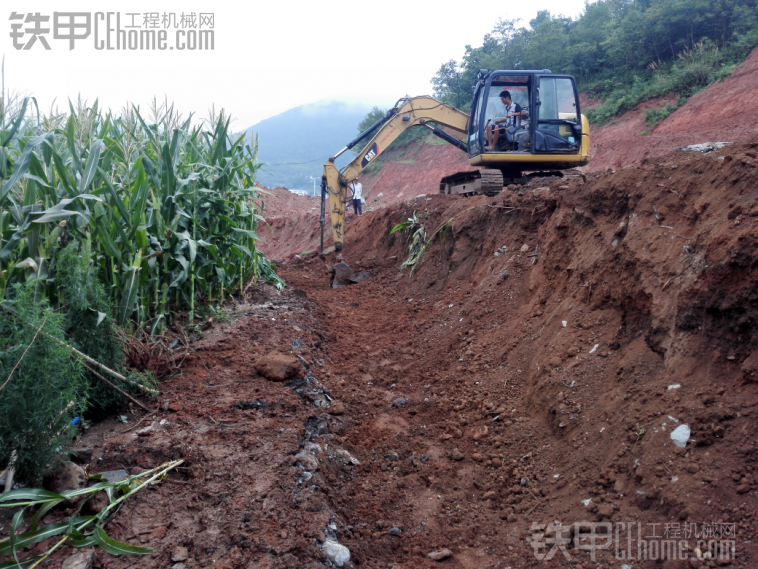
{"x":357,"y":207}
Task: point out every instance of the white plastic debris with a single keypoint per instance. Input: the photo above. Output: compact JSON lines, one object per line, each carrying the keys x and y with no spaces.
{"x":674,"y":478}
{"x":587,"y":501}
{"x":594,"y":348}
{"x":564,"y":323}
{"x":681,"y":435}
{"x":337,"y":553}
{"x":674,"y":386}
{"x":672,"y":418}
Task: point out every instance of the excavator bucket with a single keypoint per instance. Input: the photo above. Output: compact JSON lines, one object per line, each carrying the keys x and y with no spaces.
{"x":342,"y":275}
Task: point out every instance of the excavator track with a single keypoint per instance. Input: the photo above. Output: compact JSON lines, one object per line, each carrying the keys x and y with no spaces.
{"x":483,"y":181}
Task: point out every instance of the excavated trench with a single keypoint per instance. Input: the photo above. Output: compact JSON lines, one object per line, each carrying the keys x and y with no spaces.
{"x":530,"y":374}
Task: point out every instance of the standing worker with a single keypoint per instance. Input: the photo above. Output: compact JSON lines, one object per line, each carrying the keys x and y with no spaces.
{"x":357,"y":189}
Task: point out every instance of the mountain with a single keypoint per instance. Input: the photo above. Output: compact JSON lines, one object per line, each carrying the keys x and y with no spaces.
{"x":295,"y":144}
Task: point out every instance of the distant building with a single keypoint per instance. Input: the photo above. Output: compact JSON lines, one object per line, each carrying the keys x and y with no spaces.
{"x":299,"y":192}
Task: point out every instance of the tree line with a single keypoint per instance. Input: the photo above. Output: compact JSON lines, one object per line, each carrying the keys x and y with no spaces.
{"x":615,"y":46}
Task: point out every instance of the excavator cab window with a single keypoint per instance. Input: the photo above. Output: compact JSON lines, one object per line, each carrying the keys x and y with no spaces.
{"x":515,"y":137}
{"x":474,"y":135}
{"x":559,"y":126}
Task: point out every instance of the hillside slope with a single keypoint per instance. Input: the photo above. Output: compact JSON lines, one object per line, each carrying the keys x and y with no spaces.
{"x":724,"y":111}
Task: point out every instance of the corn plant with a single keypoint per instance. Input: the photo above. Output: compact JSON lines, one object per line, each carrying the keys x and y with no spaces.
{"x":78,"y":531}
{"x":170,"y":209}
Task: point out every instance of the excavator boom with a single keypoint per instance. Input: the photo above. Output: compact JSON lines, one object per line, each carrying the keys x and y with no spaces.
{"x":406,"y":114}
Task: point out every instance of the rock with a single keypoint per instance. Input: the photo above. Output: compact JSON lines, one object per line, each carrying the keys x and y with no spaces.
{"x":477,"y":457}
{"x":480,"y":434}
{"x":439,"y":555}
{"x":750,"y":368}
{"x":178,"y":566}
{"x":704,"y":147}
{"x":81,"y":560}
{"x":497,"y":463}
{"x":81,"y":455}
{"x":681,"y":435}
{"x":278,"y":367}
{"x":491,"y":495}
{"x":68,"y":476}
{"x":114,"y":475}
{"x":619,"y":486}
{"x":743,"y":489}
{"x":571,"y":352}
{"x":457,"y":455}
{"x":605,"y":511}
{"x":180,"y":554}
{"x":337,"y":408}
{"x":400,"y":402}
{"x":718,"y":431}
{"x":396,"y":531}
{"x":337,"y":553}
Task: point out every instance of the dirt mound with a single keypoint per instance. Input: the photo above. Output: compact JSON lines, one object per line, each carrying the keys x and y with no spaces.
{"x":530,"y":373}
{"x":290,"y":215}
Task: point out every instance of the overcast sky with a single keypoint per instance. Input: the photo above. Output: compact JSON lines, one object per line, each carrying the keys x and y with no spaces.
{"x":268,"y":56}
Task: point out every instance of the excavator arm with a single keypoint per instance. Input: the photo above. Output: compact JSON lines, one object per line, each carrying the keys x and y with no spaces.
{"x":406,"y":114}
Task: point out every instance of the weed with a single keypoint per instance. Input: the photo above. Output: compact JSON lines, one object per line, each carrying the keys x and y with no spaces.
{"x":45,"y":391}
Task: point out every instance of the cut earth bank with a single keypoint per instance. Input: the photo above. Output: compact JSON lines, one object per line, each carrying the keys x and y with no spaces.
{"x":531,"y":372}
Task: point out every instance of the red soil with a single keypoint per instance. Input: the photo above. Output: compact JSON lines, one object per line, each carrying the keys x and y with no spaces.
{"x":724,"y":112}
{"x":474,"y":411}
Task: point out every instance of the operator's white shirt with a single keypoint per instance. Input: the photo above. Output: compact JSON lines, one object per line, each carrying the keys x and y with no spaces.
{"x":357,"y":190}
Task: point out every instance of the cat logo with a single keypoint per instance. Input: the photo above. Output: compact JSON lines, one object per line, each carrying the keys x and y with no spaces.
{"x":370,"y":155}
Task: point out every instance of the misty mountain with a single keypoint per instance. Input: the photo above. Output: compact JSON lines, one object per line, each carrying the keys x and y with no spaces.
{"x":295,"y":144}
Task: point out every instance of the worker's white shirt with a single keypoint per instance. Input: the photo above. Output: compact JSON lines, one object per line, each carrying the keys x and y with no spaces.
{"x":357,"y":190}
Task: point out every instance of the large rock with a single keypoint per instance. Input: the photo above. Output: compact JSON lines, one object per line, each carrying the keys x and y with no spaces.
{"x":68,"y":476}
{"x":278,"y":367}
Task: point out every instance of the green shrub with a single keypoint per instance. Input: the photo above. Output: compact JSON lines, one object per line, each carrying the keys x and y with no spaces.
{"x":44,"y":393}
{"x":89,"y":324}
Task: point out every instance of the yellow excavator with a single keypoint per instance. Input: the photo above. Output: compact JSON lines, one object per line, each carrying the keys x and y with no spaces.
{"x":547,"y":134}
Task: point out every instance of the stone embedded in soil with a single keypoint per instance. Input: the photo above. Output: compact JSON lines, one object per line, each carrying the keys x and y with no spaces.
{"x":457,"y":455}
{"x":337,"y":408}
{"x":180,"y":554}
{"x":439,"y":555}
{"x":81,"y":455}
{"x":278,"y":367}
{"x":81,"y":560}
{"x":68,"y":476}
{"x":337,"y":553}
{"x":680,"y":436}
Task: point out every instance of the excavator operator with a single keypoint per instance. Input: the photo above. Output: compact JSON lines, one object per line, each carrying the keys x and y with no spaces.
{"x":513,"y":114}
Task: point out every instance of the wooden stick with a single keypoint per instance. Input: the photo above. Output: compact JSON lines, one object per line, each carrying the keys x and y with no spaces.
{"x":86,"y":358}
{"x":129,"y":397}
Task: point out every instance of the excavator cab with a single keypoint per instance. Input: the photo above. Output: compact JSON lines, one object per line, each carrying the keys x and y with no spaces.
{"x":548,"y":135}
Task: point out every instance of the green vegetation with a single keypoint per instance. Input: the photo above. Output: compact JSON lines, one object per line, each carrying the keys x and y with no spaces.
{"x":78,"y":531}
{"x":108,"y":222}
{"x":621,"y":51}
{"x":169,"y":208}
{"x":42,"y":389}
